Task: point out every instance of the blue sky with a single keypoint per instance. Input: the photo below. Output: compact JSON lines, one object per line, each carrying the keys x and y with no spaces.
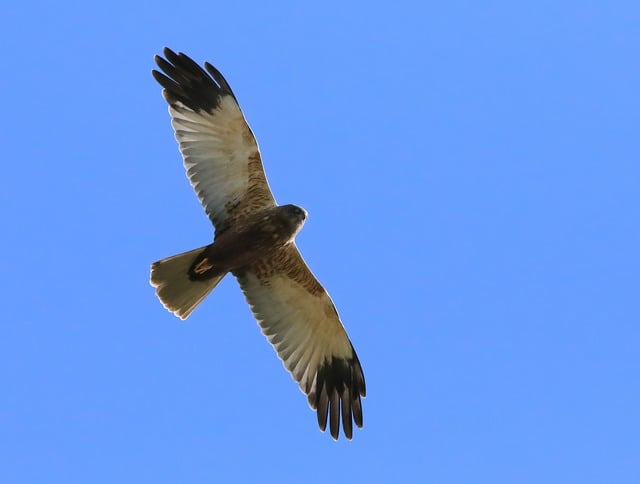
{"x":471,"y":171}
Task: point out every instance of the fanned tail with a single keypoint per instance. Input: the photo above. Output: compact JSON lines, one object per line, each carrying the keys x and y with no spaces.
{"x":176,"y":290}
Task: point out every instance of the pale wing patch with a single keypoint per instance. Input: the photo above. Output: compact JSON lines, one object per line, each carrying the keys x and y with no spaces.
{"x":305,"y":330}
{"x":297,"y":325}
{"x":217,"y":149}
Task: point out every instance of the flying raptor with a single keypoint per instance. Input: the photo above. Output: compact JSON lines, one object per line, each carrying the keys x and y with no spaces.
{"x":254,"y":241}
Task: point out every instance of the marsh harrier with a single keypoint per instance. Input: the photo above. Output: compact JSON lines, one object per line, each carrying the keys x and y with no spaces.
{"x":254,"y":240}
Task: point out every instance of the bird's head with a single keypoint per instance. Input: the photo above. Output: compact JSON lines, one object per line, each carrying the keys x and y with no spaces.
{"x":295,"y":215}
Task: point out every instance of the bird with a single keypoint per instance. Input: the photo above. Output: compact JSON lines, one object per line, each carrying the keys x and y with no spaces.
{"x":254,"y":240}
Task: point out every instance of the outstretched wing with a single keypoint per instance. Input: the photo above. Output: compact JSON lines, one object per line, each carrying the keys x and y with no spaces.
{"x":220,"y":153}
{"x":298,"y":317}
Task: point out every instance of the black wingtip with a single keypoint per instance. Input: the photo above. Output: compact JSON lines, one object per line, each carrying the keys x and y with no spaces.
{"x":168,"y":52}
{"x":187,"y":83}
{"x":337,"y":396}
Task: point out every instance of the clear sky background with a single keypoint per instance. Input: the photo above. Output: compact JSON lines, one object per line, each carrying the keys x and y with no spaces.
{"x":471,"y":171}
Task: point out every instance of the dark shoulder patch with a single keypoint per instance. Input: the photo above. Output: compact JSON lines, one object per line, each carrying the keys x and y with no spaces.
{"x":339,"y":386}
{"x":186,"y":82}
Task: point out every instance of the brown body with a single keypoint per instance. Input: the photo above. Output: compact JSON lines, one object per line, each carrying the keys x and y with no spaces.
{"x":257,"y":237}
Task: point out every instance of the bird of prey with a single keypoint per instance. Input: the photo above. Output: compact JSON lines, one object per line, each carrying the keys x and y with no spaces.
{"x":254,"y":241}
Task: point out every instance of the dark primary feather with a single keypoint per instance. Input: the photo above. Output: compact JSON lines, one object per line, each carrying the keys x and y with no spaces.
{"x":339,"y":386}
{"x":187,"y":82}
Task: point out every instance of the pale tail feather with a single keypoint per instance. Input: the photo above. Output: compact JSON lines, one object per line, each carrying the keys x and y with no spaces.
{"x":176,"y":291}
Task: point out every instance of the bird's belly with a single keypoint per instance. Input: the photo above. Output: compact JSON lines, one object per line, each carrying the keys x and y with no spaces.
{"x":241,"y":249}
